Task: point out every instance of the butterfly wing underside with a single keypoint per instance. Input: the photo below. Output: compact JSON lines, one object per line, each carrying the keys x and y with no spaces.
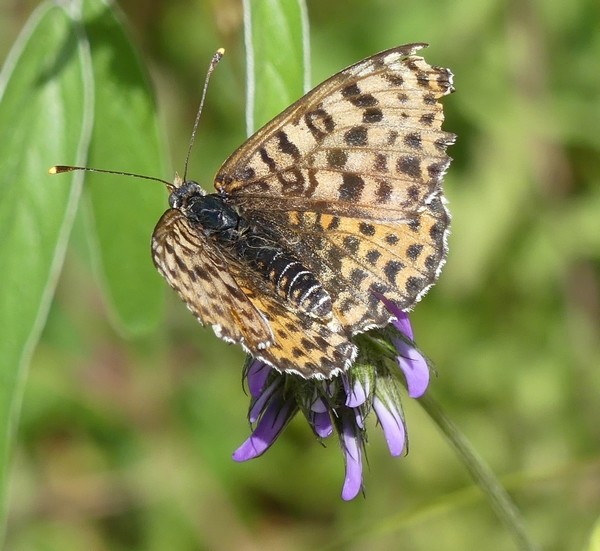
{"x":223,"y":293}
{"x":350,"y":177}
{"x":201,"y":277}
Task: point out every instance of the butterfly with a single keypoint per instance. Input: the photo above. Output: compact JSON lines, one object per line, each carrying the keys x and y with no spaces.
{"x":333,"y":204}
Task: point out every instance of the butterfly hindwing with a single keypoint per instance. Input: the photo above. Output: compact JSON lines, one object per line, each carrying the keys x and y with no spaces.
{"x":303,"y":344}
{"x":358,"y":260}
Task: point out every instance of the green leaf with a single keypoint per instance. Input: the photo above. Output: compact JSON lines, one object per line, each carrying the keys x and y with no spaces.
{"x":45,"y":117}
{"x":124,"y":210}
{"x":277,"y":54}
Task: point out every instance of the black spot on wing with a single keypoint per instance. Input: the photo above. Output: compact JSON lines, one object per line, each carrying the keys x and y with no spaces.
{"x":409,"y":165}
{"x":351,"y":188}
{"x":356,"y":136}
{"x":372,"y":115}
{"x":337,"y":158}
{"x":366,"y":229}
{"x":413,"y":251}
{"x":287,"y":147}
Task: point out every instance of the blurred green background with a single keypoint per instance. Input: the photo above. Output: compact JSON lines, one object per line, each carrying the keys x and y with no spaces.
{"x":126,"y":443}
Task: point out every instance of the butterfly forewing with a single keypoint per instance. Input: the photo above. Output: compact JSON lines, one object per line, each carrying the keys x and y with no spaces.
{"x":381,"y":115}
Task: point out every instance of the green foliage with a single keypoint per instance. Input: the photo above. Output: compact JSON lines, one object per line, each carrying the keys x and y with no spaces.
{"x":53,"y":111}
{"x":125,"y":443}
{"x":42,"y":115}
{"x":126,"y":136}
{"x":274,"y":36}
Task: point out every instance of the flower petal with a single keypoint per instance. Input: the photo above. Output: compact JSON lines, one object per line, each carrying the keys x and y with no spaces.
{"x":392,"y":425}
{"x":321,"y":423}
{"x":257,"y":377}
{"x":269,"y":427}
{"x":353,"y":459}
{"x":259,"y":404}
{"x":402,"y":322}
{"x":414,"y":366}
{"x":359,"y":418}
{"x":319,"y":405}
{"x":357,"y":395}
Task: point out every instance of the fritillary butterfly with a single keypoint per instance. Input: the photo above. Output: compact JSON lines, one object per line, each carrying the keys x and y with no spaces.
{"x":334,"y":203}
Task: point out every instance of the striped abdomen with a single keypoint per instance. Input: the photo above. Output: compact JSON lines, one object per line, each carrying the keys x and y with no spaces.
{"x":213,"y":216}
{"x":291,"y":279}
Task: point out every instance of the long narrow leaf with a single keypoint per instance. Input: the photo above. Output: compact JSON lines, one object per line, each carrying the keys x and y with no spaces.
{"x":45,"y":117}
{"x":277,"y":53}
{"x":126,"y":137}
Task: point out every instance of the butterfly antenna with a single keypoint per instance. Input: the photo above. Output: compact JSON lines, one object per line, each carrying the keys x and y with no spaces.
{"x":59,"y":169}
{"x":213,"y":63}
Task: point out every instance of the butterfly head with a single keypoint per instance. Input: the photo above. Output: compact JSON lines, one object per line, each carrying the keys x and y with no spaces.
{"x":183,"y":193}
{"x":210,"y":212}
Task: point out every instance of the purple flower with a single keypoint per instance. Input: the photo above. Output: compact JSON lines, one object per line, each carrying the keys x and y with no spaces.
{"x":341,"y":404}
{"x":410,"y":360}
{"x":392,"y":423}
{"x":273,"y":420}
{"x":352,"y":447}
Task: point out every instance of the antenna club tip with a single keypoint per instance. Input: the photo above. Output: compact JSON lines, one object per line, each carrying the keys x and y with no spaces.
{"x":59,"y":169}
{"x":221,"y":52}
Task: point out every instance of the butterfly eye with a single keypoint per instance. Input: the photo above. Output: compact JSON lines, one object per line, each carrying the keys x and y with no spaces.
{"x":174,"y":200}
{"x":182,"y":195}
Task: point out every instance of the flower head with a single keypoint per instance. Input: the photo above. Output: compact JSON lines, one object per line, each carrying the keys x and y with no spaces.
{"x":342,"y":404}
